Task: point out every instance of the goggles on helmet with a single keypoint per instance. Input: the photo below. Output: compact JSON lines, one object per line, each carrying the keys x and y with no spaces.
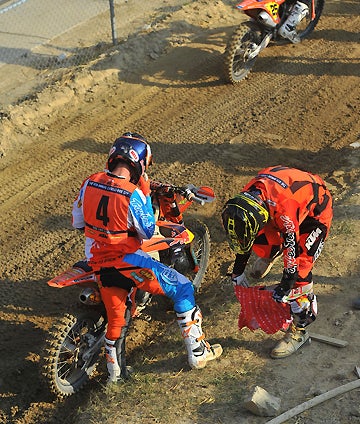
{"x":243,"y":218}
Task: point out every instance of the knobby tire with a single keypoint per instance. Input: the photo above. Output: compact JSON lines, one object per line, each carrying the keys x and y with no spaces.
{"x":63,"y":369}
{"x":308,"y":25}
{"x":237,"y":66}
{"x":201,"y":249}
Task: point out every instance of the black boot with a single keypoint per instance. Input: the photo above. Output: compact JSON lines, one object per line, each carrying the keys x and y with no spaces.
{"x":120,"y":345}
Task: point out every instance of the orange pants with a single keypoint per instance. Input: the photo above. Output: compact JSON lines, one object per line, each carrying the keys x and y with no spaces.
{"x":134,"y":271}
{"x":311,"y":241}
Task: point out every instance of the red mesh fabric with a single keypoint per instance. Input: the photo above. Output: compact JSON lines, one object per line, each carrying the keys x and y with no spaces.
{"x":260,"y":310}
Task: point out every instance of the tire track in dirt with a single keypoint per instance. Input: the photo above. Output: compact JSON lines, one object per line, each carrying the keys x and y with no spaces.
{"x":254,"y":107}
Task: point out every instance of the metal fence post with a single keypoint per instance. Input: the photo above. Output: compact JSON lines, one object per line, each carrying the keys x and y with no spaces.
{"x":112,"y":19}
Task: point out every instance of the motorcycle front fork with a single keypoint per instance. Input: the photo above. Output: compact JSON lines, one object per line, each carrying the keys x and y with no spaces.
{"x":253,"y":53}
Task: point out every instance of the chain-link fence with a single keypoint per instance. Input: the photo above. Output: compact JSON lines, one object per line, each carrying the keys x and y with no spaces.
{"x":44,"y":33}
{"x":38,"y":36}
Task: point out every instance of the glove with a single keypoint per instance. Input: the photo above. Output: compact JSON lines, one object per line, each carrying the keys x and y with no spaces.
{"x":161,"y":188}
{"x":240,"y":280}
{"x":144,"y":184}
{"x":279,"y":294}
{"x":284,"y":287}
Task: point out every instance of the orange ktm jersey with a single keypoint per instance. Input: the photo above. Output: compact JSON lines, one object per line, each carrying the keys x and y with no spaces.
{"x":106,"y":202}
{"x":291,"y":195}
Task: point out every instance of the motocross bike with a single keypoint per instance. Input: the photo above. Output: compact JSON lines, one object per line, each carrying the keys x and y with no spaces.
{"x":252,"y":36}
{"x":75,"y":343}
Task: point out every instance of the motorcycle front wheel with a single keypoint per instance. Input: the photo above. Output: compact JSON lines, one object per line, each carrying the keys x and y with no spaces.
{"x":199,"y":250}
{"x":306,"y":26}
{"x":68,"y":363}
{"x":242,"y":43}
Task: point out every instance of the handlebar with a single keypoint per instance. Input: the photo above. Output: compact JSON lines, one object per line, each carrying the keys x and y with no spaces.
{"x":189,"y":191}
{"x":192,"y":197}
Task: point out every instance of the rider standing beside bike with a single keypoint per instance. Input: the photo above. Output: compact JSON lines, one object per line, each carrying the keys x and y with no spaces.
{"x":114,"y":209}
{"x":282,"y":211}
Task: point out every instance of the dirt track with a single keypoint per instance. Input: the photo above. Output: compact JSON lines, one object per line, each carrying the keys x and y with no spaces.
{"x":300,"y":107}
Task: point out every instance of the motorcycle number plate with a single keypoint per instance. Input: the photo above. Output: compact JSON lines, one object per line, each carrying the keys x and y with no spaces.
{"x":272,"y":8}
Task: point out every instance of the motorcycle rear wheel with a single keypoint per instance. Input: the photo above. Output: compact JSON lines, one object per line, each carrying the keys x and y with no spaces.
{"x":200,"y":249}
{"x":65,"y":369}
{"x":237,"y":64}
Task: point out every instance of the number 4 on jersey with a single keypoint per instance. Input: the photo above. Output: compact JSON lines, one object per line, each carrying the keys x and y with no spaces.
{"x":102,"y":210}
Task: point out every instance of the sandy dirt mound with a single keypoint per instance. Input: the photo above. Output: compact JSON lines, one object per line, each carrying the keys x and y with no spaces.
{"x":299,"y":107}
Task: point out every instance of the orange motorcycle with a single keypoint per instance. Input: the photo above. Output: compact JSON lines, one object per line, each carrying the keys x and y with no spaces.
{"x":252,"y":36}
{"x":75,"y":342}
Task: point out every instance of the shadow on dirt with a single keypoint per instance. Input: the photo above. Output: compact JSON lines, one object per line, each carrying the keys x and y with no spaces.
{"x":233,"y":154}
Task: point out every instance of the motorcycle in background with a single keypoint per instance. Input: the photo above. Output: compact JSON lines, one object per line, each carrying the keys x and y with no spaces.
{"x":75,"y":342}
{"x":254,"y":35}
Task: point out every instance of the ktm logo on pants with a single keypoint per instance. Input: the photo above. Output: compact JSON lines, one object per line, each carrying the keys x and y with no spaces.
{"x":312,"y":238}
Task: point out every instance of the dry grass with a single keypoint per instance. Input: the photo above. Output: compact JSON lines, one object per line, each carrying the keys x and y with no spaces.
{"x":163,"y":389}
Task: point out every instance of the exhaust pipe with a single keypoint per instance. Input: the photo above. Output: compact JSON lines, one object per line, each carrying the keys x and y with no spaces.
{"x":90,"y":296}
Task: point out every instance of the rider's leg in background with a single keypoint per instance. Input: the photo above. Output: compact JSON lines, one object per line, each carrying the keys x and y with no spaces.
{"x":298,"y":12}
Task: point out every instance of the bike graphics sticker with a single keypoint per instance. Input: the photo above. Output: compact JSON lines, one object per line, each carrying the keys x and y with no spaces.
{"x":273,"y":9}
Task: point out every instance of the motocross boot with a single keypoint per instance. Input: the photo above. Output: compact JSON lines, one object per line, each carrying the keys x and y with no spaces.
{"x":294,"y":338}
{"x":112,"y":363}
{"x":116,"y":355}
{"x":288,"y":28}
{"x":199,"y":350}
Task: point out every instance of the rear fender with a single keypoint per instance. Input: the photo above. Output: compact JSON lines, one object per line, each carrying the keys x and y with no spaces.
{"x":71,"y":277}
{"x":271,"y":7}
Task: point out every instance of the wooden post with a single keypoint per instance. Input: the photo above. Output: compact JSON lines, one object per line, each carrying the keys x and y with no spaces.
{"x":315,"y":401}
{"x":328,"y":340}
{"x":113,"y":23}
